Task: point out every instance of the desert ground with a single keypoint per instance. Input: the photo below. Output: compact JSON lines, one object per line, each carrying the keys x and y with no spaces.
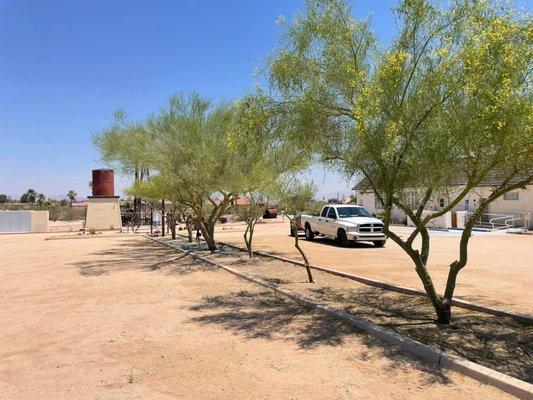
{"x":116,"y":316}
{"x":499,"y":271}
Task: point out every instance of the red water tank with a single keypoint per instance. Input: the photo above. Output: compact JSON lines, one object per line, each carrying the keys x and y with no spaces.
{"x":103,"y":182}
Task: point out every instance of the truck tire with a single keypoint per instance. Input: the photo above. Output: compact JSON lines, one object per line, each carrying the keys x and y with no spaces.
{"x":342,"y":239}
{"x":379,"y":243}
{"x":309,"y":234}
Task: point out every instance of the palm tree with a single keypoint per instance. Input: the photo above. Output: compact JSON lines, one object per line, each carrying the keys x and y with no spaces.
{"x":72,"y":196}
{"x":32,"y":195}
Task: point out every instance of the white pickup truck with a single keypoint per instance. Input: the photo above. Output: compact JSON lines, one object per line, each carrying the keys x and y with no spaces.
{"x":346,"y":223}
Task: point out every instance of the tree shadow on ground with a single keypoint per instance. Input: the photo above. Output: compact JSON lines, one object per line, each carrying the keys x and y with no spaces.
{"x":481,"y":338}
{"x":133,"y":256}
{"x":267,"y":316}
{"x":496,"y":342}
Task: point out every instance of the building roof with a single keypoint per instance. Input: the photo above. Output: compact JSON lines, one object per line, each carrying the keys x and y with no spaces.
{"x":494,"y":179}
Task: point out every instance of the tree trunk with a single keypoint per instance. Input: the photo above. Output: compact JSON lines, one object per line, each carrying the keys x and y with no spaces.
{"x":248,"y":234}
{"x":189,"y":229}
{"x":163,"y":217}
{"x":457,"y":265}
{"x":136,"y":199}
{"x":306,"y":261}
{"x":443,"y":315}
{"x":173,"y":225}
{"x":151,"y":221}
{"x":208,"y":230}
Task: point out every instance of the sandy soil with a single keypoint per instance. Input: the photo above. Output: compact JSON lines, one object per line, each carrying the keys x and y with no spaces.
{"x":66,"y":226}
{"x":499,"y":272}
{"x":125,"y":318}
{"x":498,"y":343}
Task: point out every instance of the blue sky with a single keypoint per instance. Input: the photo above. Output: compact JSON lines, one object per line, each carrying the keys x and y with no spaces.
{"x":65,"y":66}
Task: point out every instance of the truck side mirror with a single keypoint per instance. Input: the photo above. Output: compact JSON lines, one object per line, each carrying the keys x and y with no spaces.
{"x":374,"y":215}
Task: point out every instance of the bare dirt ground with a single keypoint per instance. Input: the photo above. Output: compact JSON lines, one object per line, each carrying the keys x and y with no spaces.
{"x":499,"y":271}
{"x":503,"y":344}
{"x":66,"y":226}
{"x":119,"y":317}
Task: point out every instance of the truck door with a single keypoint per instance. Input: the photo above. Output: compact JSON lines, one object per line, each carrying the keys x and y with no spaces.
{"x":321,"y":220}
{"x":330,"y":223}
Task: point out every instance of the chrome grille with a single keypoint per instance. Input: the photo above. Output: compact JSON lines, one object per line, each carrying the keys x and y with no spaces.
{"x":371,"y":228}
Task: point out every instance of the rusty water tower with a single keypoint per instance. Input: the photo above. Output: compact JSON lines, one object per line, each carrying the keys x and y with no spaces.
{"x":103,"y":208}
{"x":103,"y":182}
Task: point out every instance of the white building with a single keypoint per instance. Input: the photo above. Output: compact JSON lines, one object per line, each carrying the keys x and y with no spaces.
{"x":508,"y":209}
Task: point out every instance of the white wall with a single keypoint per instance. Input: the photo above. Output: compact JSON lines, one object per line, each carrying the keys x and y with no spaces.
{"x":24,"y":221}
{"x":469,"y":203}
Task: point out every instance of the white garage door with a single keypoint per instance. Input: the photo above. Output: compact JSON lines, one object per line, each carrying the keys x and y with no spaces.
{"x":15,"y":221}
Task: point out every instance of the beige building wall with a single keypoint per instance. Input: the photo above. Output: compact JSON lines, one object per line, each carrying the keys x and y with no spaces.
{"x":471,"y":202}
{"x":39,"y":221}
{"x":103,"y":213}
{"x":368,"y":201}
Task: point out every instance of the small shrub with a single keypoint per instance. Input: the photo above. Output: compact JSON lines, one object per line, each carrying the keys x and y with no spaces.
{"x":60,"y":213}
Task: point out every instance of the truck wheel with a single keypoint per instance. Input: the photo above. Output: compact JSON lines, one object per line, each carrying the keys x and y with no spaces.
{"x":379,"y":243}
{"x":342,"y":238}
{"x":309,"y":234}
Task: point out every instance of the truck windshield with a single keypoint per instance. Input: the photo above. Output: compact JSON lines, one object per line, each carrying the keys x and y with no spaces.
{"x":347,"y":212}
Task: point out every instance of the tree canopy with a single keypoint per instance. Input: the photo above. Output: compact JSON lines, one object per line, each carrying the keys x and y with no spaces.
{"x":449,"y":97}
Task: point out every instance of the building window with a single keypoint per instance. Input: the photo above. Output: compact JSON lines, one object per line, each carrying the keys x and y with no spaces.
{"x":441,"y":203}
{"x":413,"y":199}
{"x":511,"y":196}
{"x":377,"y":204}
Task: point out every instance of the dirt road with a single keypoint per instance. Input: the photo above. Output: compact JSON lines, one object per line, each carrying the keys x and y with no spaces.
{"x":499,"y":271}
{"x":119,"y":317}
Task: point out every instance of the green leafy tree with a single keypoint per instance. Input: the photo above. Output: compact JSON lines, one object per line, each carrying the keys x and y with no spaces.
{"x":156,"y":188}
{"x":123,"y":145}
{"x":192,"y":149}
{"x":257,"y":144}
{"x":40,"y":199}
{"x":4,"y":198}
{"x":295,"y":198}
{"x":31,"y":196}
{"x":72,"y":196}
{"x":189,"y":144}
{"x":451,"y":96}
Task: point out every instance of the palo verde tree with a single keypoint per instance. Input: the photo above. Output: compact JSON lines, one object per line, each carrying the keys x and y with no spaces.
{"x":123,"y":144}
{"x":153,"y":191}
{"x":259,"y":147}
{"x":450,"y":97}
{"x":192,"y":148}
{"x":294,"y":198}
{"x":158,"y":187}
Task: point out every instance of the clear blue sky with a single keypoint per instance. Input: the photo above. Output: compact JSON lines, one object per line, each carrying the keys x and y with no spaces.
{"x":65,"y":66}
